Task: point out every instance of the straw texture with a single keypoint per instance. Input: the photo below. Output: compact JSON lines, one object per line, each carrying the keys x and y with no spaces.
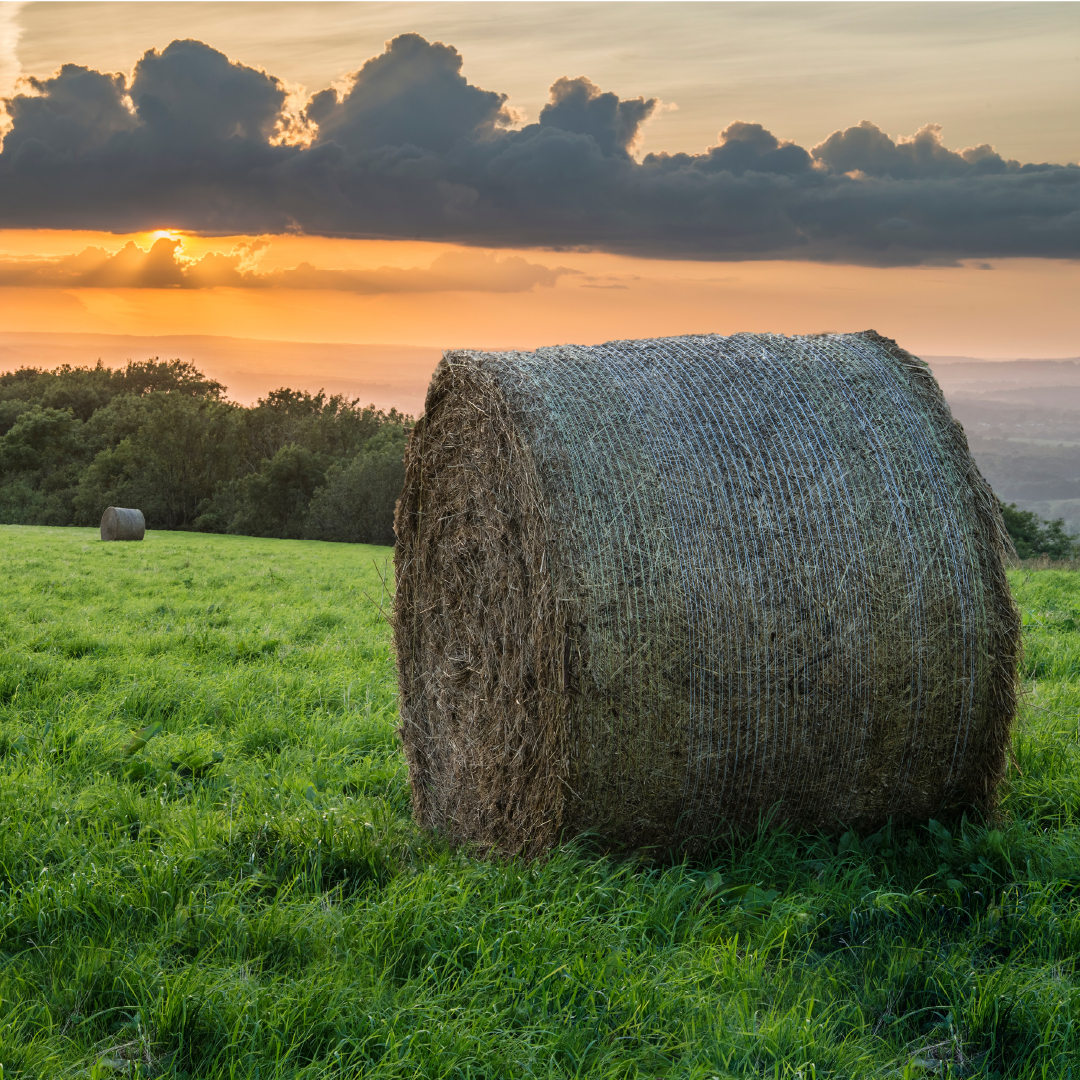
{"x":657,"y":589}
{"x":119,"y":523}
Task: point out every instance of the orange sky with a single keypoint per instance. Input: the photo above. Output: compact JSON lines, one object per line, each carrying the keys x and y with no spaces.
{"x":1003,"y":73}
{"x":1018,"y":307}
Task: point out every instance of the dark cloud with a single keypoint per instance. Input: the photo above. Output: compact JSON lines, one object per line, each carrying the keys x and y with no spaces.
{"x":579,"y":105}
{"x":192,"y":93}
{"x":412,"y":95}
{"x":187,"y":144}
{"x":164,"y":267}
{"x":412,"y":149}
{"x":868,"y":150}
{"x":742,"y":148}
{"x":74,"y":112}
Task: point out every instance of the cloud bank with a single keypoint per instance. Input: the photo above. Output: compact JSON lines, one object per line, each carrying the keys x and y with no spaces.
{"x":165,"y":267}
{"x":412,"y":150}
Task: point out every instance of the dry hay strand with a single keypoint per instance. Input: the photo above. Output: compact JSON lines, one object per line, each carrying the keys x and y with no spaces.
{"x":120,"y":523}
{"x":655,"y":590}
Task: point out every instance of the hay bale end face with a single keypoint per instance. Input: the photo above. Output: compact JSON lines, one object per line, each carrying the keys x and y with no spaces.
{"x":658,"y":589}
{"x":119,"y":523}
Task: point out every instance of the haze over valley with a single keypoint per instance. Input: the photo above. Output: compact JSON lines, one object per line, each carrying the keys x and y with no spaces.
{"x":1022,"y":419}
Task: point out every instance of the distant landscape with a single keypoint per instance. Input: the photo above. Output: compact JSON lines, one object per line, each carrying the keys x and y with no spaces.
{"x":391,"y":376}
{"x":1022,"y":417}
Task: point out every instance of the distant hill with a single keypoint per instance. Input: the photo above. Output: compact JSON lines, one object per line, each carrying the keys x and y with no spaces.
{"x":936,"y":361}
{"x":1054,"y":384}
{"x":1022,"y":419}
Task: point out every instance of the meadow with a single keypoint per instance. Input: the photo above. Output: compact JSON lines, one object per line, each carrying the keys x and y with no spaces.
{"x":208,"y":867}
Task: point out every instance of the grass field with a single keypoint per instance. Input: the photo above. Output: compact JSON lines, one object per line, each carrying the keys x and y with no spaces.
{"x":239,"y":890}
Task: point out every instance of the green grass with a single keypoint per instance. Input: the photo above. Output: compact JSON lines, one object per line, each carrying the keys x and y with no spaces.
{"x":239,"y":890}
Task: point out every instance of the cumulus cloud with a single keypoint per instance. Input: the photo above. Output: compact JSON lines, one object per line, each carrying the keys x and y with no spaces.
{"x":163,"y":266}
{"x":412,"y":95}
{"x":76,"y":111}
{"x":132,"y":267}
{"x":868,"y":151}
{"x":579,"y":105}
{"x":742,"y":148}
{"x":192,"y":94}
{"x":412,"y":149}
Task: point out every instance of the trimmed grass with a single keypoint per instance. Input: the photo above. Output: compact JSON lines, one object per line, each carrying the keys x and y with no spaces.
{"x":208,"y":868}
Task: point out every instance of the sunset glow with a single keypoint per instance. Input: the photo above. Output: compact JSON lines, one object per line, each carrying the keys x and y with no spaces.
{"x":1005,"y":308}
{"x":488,"y":196}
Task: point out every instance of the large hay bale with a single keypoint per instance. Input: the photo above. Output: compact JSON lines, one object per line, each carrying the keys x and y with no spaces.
{"x":658,"y":589}
{"x":120,"y":523}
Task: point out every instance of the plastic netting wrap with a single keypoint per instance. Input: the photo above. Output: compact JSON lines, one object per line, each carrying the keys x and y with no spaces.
{"x":122,"y":523}
{"x":659,"y":589}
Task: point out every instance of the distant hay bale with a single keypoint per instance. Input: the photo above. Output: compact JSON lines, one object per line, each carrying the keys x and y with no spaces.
{"x":118,"y":523}
{"x":656,"y":590}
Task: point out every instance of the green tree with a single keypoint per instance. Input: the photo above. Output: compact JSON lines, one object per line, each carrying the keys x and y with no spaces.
{"x":159,"y":435}
{"x":168,"y":377}
{"x":357,"y":503}
{"x":84,"y":390}
{"x":274,"y":501}
{"x":41,"y":455}
{"x":1033,"y":535}
{"x":169,"y":466}
{"x":41,"y":440}
{"x":10,"y":411}
{"x":332,"y":426}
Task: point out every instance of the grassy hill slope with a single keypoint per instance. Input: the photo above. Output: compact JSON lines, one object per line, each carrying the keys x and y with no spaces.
{"x":208,"y":868}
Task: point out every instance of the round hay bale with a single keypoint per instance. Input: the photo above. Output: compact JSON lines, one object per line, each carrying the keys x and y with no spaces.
{"x":119,"y":523}
{"x":656,"y":590}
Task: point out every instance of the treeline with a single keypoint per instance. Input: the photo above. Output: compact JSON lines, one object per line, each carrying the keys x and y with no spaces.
{"x":1034,"y":536}
{"x":159,"y":435}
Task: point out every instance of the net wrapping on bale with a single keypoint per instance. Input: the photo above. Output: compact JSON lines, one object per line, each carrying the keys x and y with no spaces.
{"x":658,"y":589}
{"x":122,"y":523}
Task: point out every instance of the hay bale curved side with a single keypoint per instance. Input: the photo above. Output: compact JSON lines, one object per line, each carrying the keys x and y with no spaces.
{"x":121,"y":523}
{"x":656,"y":589}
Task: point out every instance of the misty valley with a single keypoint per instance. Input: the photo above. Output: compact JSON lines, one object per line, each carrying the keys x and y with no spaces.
{"x":1022,"y":420}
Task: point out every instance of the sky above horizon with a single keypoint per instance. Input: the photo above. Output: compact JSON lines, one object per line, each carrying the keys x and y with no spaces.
{"x":548,"y":173}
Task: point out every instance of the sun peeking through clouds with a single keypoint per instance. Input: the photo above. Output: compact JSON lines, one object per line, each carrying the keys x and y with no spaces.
{"x":165,"y":259}
{"x":401,"y":199}
{"x":401,"y":292}
{"x":409,"y":147}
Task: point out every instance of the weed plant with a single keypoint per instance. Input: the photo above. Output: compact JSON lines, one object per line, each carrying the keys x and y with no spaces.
{"x":208,"y":868}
